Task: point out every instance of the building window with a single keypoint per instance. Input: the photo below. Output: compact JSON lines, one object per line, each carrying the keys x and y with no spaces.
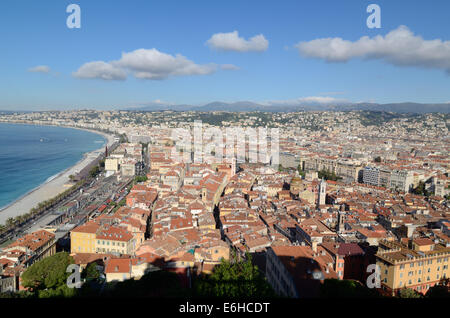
{"x":402,"y":266}
{"x":401,"y":275}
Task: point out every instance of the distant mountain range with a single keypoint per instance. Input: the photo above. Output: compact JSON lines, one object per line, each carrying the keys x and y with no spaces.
{"x":246,"y":106}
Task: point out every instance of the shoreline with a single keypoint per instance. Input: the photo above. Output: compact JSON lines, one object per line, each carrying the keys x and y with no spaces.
{"x":56,"y":184}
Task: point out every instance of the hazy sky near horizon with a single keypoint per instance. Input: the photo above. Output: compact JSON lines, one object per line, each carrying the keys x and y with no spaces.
{"x":130,"y":53}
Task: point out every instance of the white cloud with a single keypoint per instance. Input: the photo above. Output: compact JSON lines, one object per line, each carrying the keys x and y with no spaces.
{"x":233,"y":42}
{"x":39,"y":69}
{"x":229,"y":67}
{"x":399,"y":47}
{"x":155,"y":65}
{"x":100,"y":70}
{"x":144,"y":64}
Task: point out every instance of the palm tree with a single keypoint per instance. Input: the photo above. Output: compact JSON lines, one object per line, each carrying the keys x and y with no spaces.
{"x":9,"y":222}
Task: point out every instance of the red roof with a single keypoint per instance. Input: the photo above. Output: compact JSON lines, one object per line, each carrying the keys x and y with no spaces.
{"x":118,"y":265}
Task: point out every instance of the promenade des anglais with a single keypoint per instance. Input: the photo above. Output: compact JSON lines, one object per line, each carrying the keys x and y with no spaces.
{"x":215,"y":157}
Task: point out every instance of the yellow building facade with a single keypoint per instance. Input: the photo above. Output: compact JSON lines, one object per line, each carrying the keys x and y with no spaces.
{"x":419,"y":266}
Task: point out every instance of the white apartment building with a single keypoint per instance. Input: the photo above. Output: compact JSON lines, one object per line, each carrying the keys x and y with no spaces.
{"x":371,"y":175}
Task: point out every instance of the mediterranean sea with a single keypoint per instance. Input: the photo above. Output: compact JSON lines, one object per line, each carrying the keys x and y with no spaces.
{"x":32,"y":155}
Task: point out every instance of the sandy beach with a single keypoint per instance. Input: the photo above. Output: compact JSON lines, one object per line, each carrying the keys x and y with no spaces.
{"x":53,"y":187}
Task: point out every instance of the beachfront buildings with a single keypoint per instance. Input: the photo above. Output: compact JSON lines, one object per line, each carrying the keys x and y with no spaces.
{"x":126,"y":159}
{"x":418,"y":264}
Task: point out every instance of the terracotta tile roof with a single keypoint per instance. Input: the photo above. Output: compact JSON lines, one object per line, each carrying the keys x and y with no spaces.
{"x":34,"y":240}
{"x":118,"y":265}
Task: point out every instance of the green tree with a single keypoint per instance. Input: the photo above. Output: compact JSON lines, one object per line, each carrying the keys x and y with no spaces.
{"x":327,"y":175}
{"x":49,"y":273}
{"x":59,"y":292}
{"x":439,"y":291}
{"x":408,"y":293}
{"x":140,"y":179}
{"x":10,"y":222}
{"x":94,"y":171}
{"x":420,"y":189}
{"x":90,"y":272}
{"x":377,"y":159}
{"x":300,"y":171}
{"x":335,"y":288}
{"x":234,"y":279}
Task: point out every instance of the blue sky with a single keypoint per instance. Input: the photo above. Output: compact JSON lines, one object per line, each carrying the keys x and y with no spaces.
{"x":34,"y":33}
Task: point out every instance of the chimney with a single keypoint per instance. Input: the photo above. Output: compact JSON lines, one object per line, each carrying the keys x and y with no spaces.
{"x":314,"y":246}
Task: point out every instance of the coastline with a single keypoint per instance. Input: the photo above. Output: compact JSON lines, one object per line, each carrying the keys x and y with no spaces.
{"x":55,"y":184}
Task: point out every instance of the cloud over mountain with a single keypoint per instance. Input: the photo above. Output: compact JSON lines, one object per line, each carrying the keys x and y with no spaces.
{"x":399,"y":47}
{"x":233,"y":42}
